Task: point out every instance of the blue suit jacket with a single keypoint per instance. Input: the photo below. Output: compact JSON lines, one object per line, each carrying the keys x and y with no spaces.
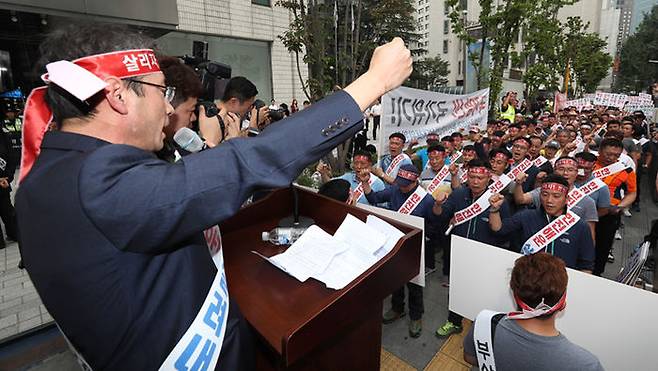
{"x":111,"y":235}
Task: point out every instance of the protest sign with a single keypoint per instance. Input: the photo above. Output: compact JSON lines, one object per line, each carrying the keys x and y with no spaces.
{"x":610,"y":100}
{"x":416,"y":113}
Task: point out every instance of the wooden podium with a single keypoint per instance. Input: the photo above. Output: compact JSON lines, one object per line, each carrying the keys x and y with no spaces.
{"x":305,"y":326}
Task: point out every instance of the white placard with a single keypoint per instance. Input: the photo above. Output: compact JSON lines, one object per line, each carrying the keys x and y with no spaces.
{"x":416,"y":113}
{"x":598,"y":310}
{"x":412,"y":220}
{"x":610,"y":100}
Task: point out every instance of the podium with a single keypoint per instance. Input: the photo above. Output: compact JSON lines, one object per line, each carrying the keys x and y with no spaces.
{"x":304,"y":325}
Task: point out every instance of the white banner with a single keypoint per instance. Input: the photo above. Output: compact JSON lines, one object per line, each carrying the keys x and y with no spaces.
{"x":416,"y":113}
{"x":610,"y":100}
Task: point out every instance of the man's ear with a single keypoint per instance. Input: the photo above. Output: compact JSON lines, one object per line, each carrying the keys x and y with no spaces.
{"x":116,"y":93}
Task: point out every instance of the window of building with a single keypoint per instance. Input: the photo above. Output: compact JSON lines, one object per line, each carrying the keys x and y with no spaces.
{"x":445,"y":46}
{"x":446,"y":27}
{"x":261,"y":2}
{"x":427,"y":8}
{"x":427,"y":17}
{"x":446,"y":8}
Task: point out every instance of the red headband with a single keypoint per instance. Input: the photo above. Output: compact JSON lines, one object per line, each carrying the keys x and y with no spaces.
{"x":408,"y":175}
{"x":501,"y":156}
{"x":362,"y":157}
{"x":82,"y":78}
{"x":542,"y":309}
{"x":478,"y":170}
{"x":558,"y":162}
{"x":554,"y":187}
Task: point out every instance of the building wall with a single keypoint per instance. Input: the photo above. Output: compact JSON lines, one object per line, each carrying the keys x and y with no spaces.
{"x":431,"y":18}
{"x":244,"y":20}
{"x":640,"y":8}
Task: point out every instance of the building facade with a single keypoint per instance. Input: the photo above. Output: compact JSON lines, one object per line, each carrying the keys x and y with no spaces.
{"x":437,"y":38}
{"x":240,"y":33}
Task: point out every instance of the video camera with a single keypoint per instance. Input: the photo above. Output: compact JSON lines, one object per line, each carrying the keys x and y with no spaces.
{"x":214,"y":76}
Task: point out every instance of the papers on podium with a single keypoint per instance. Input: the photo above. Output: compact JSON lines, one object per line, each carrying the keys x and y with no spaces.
{"x":339,"y":259}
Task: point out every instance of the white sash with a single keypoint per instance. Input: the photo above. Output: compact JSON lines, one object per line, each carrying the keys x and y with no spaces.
{"x":539,"y":161}
{"x":443,"y":173}
{"x":455,"y":156}
{"x":483,"y":341}
{"x":413,"y":201}
{"x":395,"y":164}
{"x":550,"y":233}
{"x":482,"y":203}
{"x":201,"y":344}
{"x":356,"y":194}
{"x":609,"y":170}
{"x":577,"y":194}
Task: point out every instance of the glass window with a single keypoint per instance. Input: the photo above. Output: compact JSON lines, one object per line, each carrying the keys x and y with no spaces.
{"x":446,"y":8}
{"x":261,"y":2}
{"x":445,"y":46}
{"x":251,"y":59}
{"x":446,"y":27}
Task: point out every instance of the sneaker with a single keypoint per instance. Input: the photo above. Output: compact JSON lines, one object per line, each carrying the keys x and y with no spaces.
{"x":627,"y":213}
{"x":429,"y":271}
{"x":415,"y":328}
{"x":617,"y":235}
{"x":392,"y":316}
{"x":611,"y":258}
{"x":448,"y":329}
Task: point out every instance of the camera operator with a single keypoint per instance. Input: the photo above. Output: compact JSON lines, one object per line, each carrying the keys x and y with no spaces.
{"x":112,"y":236}
{"x":238,"y":99}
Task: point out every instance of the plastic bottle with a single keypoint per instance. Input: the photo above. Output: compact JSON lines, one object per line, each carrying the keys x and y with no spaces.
{"x":317,"y":179}
{"x":283,"y":236}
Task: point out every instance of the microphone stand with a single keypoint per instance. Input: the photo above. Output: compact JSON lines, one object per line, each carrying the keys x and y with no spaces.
{"x":295,"y":220}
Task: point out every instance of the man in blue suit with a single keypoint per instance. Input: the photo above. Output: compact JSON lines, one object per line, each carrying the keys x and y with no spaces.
{"x":112,"y":236}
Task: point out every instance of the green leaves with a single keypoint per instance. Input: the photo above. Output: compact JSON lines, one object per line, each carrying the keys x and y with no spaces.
{"x":635,"y":70}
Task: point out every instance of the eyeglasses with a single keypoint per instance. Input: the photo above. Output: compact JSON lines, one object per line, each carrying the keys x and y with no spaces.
{"x":168,"y":91}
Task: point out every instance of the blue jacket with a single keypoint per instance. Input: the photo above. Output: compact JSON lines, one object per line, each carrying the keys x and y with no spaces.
{"x":112,"y":236}
{"x":477,"y":228}
{"x":574,"y":246}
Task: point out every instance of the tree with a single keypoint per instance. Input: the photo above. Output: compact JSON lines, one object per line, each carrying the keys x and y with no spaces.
{"x":551,"y":47}
{"x":338,"y":49}
{"x":635,"y":70}
{"x":429,"y":74}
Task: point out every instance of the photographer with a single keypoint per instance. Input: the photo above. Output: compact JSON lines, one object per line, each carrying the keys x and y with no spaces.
{"x":238,"y":99}
{"x":112,"y":236}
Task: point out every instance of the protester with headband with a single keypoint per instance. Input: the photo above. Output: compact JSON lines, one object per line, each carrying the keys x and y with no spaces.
{"x":135,"y":287}
{"x":361,"y":164}
{"x":566,"y":167}
{"x":479,"y":177}
{"x":434,"y":239}
{"x":609,"y":154}
{"x":601,"y":196}
{"x":407,"y":197}
{"x":499,"y":159}
{"x":574,"y":244}
{"x":388,"y":165}
{"x":431,"y":139}
{"x":528,"y":339}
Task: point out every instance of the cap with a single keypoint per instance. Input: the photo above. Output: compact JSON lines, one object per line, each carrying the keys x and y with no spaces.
{"x":553,"y":144}
{"x":474,"y":129}
{"x":406,"y":175}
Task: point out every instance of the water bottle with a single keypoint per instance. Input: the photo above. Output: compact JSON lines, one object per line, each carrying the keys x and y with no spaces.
{"x":317,"y":179}
{"x":283,"y":236}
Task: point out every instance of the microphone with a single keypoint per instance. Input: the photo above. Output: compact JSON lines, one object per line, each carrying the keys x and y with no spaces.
{"x":188,"y":140}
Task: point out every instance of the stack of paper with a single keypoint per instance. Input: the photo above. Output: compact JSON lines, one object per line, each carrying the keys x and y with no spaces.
{"x":339,"y":259}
